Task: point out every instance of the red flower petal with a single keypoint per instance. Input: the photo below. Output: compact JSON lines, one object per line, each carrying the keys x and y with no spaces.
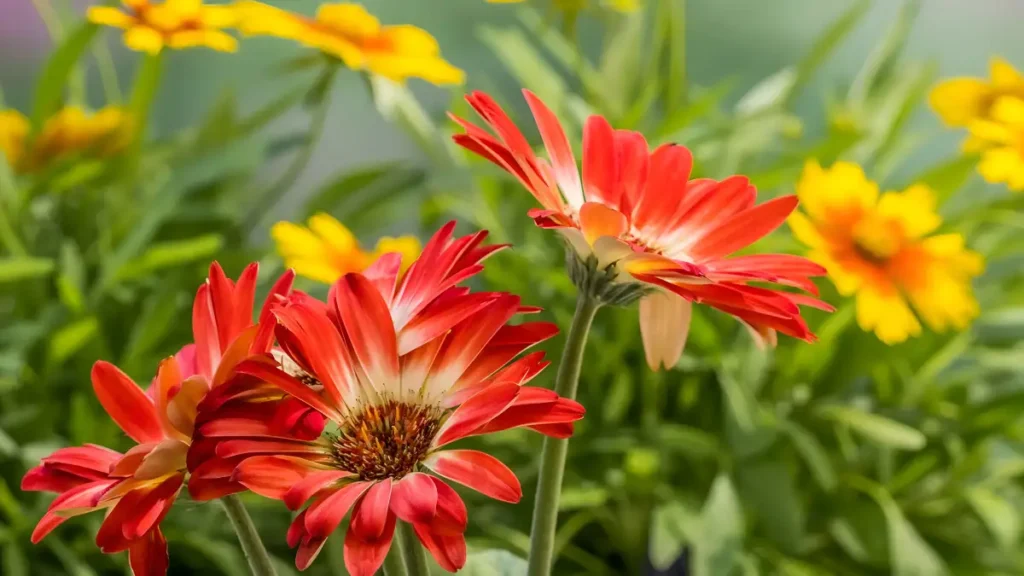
{"x":272,"y":375}
{"x":365,"y":557}
{"x":563,"y":161}
{"x":306,"y":488}
{"x":324,"y":515}
{"x":600,"y":165}
{"x":414,"y":498}
{"x":744,"y":228}
{"x":370,"y":330}
{"x":448,"y":550}
{"x":148,"y":555}
{"x":126,"y":403}
{"x":151,"y":509}
{"x":476,"y":412}
{"x":371,"y":512}
{"x":479,"y":471}
{"x":271,"y":476}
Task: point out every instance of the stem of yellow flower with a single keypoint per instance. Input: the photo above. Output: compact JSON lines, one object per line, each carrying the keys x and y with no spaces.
{"x":248,"y":537}
{"x":552,"y":463}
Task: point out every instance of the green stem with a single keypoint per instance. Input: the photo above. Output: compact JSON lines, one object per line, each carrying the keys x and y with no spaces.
{"x":9,"y":236}
{"x":552,"y":463}
{"x":269,"y":197}
{"x":248,"y":537}
{"x":414,"y":554}
{"x":394,"y":564}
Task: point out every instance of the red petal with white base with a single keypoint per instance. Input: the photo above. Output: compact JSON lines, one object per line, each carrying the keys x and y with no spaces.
{"x":483,"y":407}
{"x":324,"y":515}
{"x":126,"y":403}
{"x":369,"y":327}
{"x":563,"y":162}
{"x":479,"y":471}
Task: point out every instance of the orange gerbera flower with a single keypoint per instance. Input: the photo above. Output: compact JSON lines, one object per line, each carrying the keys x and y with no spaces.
{"x":402,"y":366}
{"x":637,"y":216}
{"x":140,"y":486}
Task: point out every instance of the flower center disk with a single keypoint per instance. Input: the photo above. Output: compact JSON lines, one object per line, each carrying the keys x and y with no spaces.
{"x":386,"y":440}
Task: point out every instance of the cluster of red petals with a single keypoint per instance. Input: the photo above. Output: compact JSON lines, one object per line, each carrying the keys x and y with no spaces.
{"x":640,"y":209}
{"x":407,"y":349}
{"x":139,"y":487}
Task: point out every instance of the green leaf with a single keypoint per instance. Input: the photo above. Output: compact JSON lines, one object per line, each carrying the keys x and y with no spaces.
{"x":947,"y":176}
{"x":71,"y":338}
{"x":813,"y":454}
{"x":397,"y":104}
{"x":71,"y":279}
{"x":53,"y":78}
{"x":574,"y":498}
{"x":673,"y":526}
{"x":884,"y":55}
{"x":493,"y":562}
{"x":171,"y":254}
{"x":824,"y":45}
{"x":527,"y":65}
{"x":689,"y":441}
{"x":147,"y":81}
{"x":14,"y":561}
{"x":847,"y":538}
{"x":768,"y":93}
{"x":717,"y":549}
{"x":620,"y":64}
{"x":376,"y":182}
{"x":769,"y":490}
{"x":877,"y":428}
{"x":998,"y":514}
{"x":152,"y":325}
{"x":14,"y":269}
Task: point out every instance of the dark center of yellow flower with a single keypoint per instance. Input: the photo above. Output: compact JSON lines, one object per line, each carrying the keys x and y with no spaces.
{"x":876,"y":239}
{"x":387,"y":440}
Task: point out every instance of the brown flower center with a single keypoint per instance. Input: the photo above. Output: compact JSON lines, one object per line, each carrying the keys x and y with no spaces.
{"x":386,"y":440}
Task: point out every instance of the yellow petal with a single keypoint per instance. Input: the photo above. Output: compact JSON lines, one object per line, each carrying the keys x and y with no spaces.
{"x":334,"y":233}
{"x":213,"y":39}
{"x":1003,"y":74}
{"x":295,"y":240}
{"x":143,"y":39}
{"x":960,"y":100}
{"x":886,"y":313}
{"x":317,"y":270}
{"x":218,"y":16}
{"x":842,"y":187}
{"x":804,"y":230}
{"x":399,"y":68}
{"x":185,"y":8}
{"x":990,"y":132}
{"x":107,"y":16}
{"x":1009,"y":110}
{"x":408,"y":246}
{"x":1003,"y":165}
{"x":624,"y":5}
{"x":940,"y":288}
{"x":14,"y":129}
{"x":348,"y":19}
{"x":913,"y":209}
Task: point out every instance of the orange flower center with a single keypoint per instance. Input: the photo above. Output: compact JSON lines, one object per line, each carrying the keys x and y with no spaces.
{"x":877,"y":239}
{"x":387,"y":440}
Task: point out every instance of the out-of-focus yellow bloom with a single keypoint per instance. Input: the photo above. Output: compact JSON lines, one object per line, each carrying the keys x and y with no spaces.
{"x":70,"y":131}
{"x":326,"y":250}
{"x":1000,"y":140}
{"x":149,"y":27}
{"x":351,"y":34}
{"x":577,"y":5}
{"x":877,"y":247}
{"x":959,"y":101}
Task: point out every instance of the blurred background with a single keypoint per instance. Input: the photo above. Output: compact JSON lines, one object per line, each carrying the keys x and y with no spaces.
{"x":846,"y":457}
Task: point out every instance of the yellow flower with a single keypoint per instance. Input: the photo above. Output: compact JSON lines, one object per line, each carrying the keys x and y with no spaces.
{"x":70,"y":131}
{"x":959,"y":101}
{"x":14,"y":129}
{"x":149,"y":27}
{"x":1001,"y":143}
{"x":351,"y":34}
{"x":326,"y":250}
{"x":877,"y":247}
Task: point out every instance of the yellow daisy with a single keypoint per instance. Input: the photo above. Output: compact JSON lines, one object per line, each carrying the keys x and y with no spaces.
{"x":876,"y":247}
{"x":1000,"y":140}
{"x":959,"y":101}
{"x":351,"y":34}
{"x":176,"y":24}
{"x":577,"y":5}
{"x":68,"y":132}
{"x":326,"y":250}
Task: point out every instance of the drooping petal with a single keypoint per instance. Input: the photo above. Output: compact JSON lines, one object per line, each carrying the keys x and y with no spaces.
{"x":324,"y":515}
{"x":451,"y":517}
{"x":664,"y":326}
{"x":448,"y":550}
{"x":414,"y":498}
{"x":147,"y":556}
{"x":365,"y":557}
{"x":479,"y":471}
{"x":126,"y":403}
{"x":151,"y":509}
{"x":372,"y":511}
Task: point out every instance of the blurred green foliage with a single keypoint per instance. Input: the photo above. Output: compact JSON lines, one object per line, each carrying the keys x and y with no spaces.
{"x":842,"y":457}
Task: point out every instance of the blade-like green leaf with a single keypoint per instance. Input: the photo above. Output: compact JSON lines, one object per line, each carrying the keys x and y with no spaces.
{"x":53,"y":78}
{"x":823,"y":47}
{"x":876,"y":428}
{"x":14,"y":269}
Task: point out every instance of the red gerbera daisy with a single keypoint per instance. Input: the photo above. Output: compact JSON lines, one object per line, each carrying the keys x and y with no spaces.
{"x":401,"y":367}
{"x":636,"y":216}
{"x":139,"y":487}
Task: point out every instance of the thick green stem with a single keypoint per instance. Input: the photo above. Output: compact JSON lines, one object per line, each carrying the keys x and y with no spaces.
{"x":412,"y":551}
{"x":552,"y":463}
{"x":394,"y":563}
{"x":248,"y":537}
